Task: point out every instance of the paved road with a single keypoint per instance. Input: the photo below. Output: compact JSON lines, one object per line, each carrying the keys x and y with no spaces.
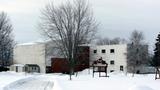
{"x":34,"y":83}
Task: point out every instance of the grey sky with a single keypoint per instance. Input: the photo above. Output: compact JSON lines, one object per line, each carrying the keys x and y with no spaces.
{"x":117,"y":17}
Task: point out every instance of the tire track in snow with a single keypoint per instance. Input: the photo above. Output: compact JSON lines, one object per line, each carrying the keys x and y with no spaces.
{"x":34,"y":83}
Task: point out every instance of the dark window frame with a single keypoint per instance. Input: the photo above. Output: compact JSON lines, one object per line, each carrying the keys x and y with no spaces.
{"x":16,"y":68}
{"x":112,"y":62}
{"x":94,"y":51}
{"x":103,"y":51}
{"x":111,"y":70}
{"x":112,"y":50}
{"x":121,"y":68}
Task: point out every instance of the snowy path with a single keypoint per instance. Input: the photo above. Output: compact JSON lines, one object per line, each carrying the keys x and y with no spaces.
{"x":34,"y":83}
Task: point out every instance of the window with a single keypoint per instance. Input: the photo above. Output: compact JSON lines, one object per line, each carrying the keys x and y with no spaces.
{"x":32,"y":68}
{"x":94,"y":51}
{"x":111,"y":70}
{"x":121,"y":68}
{"x":112,"y":62}
{"x":103,"y":51}
{"x":35,"y":68}
{"x":16,"y":68}
{"x":111,"y":50}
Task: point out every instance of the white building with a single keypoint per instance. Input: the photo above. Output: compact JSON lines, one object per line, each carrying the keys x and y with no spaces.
{"x":114,"y":55}
{"x":30,"y":53}
{"x":40,"y":53}
{"x":36,"y":53}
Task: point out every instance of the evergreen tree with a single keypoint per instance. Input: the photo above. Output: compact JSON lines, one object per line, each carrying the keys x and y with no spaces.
{"x":156,"y":58}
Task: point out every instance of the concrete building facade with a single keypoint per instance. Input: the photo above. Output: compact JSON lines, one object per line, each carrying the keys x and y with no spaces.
{"x":42,"y":53}
{"x":114,"y":55}
{"x":31,"y":54}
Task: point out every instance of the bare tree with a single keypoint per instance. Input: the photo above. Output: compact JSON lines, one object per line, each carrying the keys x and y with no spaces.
{"x":118,"y":40}
{"x":137,"y":54}
{"x":103,"y":41}
{"x":69,"y":25}
{"x":108,"y":41}
{"x":6,"y":40}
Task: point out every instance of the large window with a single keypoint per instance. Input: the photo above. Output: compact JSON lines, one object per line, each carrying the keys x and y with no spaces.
{"x":103,"y":51}
{"x":112,"y":62}
{"x":121,"y":68}
{"x":111,"y":50}
{"x":94,"y":51}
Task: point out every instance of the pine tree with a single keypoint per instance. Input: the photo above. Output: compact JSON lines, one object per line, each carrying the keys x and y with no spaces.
{"x":156,"y":58}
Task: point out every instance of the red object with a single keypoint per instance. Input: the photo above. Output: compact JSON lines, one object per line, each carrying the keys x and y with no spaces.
{"x":60,"y":65}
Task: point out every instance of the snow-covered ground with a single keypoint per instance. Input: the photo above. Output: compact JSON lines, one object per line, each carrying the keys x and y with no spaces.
{"x":22,"y":81}
{"x":10,"y":77}
{"x":115,"y":81}
{"x":84,"y":81}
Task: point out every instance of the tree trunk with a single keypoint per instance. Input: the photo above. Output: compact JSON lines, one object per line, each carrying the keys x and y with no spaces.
{"x":134,"y":68}
{"x":71,"y":73}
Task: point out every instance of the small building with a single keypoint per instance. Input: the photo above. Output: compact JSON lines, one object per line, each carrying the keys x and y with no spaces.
{"x":17,"y":67}
{"x":31,"y":68}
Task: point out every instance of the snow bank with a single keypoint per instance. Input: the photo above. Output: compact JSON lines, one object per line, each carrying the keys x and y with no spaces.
{"x":115,"y":81}
{"x":10,"y":77}
{"x":140,"y":87}
{"x":56,"y":85}
{"x":84,"y":81}
{"x":18,"y":82}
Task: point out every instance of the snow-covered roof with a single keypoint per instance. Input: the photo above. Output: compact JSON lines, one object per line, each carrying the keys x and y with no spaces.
{"x":33,"y":42}
{"x":107,"y":45}
{"x":19,"y":65}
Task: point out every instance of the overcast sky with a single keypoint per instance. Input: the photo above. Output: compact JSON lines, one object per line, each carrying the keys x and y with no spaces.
{"x":117,"y":18}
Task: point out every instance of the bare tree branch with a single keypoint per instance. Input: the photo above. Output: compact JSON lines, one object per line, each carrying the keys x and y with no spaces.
{"x":6,"y":40}
{"x":137,"y":52}
{"x":69,"y":25}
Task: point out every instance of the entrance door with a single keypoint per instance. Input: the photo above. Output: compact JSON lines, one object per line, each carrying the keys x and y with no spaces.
{"x":16,"y":68}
